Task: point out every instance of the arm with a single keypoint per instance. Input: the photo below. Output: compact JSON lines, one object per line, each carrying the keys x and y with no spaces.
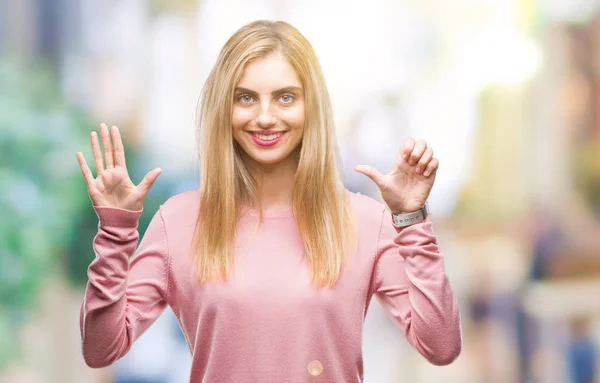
{"x":410,"y":283}
{"x":122,"y":299}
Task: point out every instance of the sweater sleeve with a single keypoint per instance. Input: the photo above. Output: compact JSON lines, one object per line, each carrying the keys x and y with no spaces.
{"x":411,"y":284}
{"x":122,"y":298}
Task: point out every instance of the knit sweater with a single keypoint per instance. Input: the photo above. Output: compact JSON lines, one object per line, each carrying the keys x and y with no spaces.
{"x":266,"y":323}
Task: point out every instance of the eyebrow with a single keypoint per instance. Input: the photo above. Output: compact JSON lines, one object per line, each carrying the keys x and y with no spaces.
{"x":290,"y":89}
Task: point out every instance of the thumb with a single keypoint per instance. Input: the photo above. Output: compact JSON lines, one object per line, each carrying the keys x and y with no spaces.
{"x":370,"y":172}
{"x":149,"y":179}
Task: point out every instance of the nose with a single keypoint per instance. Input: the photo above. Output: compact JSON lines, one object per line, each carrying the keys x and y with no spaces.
{"x":265,"y":119}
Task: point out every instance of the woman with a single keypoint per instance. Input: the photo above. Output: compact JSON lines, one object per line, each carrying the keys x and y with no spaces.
{"x":270,"y":266}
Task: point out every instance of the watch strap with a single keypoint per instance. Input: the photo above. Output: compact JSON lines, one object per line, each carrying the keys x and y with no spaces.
{"x":407,"y":219}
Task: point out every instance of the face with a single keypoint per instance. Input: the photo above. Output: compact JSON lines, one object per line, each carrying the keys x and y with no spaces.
{"x":268,"y":112}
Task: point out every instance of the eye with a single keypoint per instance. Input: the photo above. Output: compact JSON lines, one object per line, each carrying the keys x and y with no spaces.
{"x":245,"y":99}
{"x":287,"y":98}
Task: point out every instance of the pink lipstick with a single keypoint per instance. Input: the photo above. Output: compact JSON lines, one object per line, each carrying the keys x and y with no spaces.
{"x":267,"y":142}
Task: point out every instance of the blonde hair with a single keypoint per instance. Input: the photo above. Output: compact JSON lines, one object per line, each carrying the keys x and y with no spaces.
{"x":321,"y":206}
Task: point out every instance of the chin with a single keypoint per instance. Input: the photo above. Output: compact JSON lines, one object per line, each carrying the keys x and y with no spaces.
{"x":268,"y":160}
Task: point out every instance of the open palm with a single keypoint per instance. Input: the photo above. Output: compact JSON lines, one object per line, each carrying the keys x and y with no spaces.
{"x":112,"y":186}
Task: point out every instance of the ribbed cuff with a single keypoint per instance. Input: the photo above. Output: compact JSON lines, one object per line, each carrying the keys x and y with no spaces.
{"x":115,"y":217}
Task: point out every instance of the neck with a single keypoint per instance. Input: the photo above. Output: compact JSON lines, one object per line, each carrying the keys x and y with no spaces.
{"x":276,"y":184}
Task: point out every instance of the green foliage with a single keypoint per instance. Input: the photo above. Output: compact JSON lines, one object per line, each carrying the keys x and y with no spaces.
{"x":41,"y":187}
{"x":586,"y":173}
{"x":47,"y":222}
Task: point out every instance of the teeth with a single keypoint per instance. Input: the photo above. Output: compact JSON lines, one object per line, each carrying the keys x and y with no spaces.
{"x":269,"y":137}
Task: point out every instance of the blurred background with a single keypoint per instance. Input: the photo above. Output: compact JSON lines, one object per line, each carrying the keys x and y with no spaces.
{"x":507,"y":92}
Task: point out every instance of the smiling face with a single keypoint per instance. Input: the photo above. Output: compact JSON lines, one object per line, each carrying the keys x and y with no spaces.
{"x":268,"y":111}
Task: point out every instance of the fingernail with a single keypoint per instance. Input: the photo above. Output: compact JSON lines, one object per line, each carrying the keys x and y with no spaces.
{"x":426,"y":174}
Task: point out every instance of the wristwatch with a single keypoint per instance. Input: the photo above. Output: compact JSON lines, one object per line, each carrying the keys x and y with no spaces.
{"x":406,"y":219}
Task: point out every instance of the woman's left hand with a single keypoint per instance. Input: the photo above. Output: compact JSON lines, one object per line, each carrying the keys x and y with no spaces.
{"x":407,"y":186}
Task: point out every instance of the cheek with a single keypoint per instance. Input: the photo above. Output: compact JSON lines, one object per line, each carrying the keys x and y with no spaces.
{"x":295,"y":118}
{"x":240,"y":117}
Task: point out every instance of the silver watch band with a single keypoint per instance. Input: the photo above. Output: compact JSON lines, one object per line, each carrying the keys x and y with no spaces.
{"x":407,"y":219}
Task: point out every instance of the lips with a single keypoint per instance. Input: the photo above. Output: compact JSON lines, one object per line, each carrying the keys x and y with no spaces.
{"x":267,"y":138}
{"x":267,"y":132}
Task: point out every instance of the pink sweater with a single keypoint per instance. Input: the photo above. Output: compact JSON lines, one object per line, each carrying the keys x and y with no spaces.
{"x":266,"y":324}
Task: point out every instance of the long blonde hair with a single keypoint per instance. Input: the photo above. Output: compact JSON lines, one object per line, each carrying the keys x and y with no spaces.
{"x":321,"y":206}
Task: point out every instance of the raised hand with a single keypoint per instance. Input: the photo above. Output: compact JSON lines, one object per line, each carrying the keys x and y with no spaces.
{"x":407,"y":186}
{"x":112,"y":186}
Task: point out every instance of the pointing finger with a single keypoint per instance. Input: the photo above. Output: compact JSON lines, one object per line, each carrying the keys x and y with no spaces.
{"x":417,"y":152}
{"x":407,"y":148}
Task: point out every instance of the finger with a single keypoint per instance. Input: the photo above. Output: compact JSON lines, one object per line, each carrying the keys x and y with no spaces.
{"x":119,"y":149}
{"x":371,"y":172}
{"x":149,"y":179}
{"x":424,"y":161}
{"x":85,"y":170}
{"x":97,"y":153}
{"x":432,"y":167}
{"x":407,"y":148}
{"x":417,"y":152}
{"x":108,"y":150}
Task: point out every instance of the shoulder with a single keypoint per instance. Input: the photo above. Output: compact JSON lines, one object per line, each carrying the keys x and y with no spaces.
{"x":367,"y":210}
{"x":183,"y":199}
{"x":181,"y":207}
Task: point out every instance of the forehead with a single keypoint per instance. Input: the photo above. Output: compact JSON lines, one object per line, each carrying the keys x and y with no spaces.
{"x":272,"y":71}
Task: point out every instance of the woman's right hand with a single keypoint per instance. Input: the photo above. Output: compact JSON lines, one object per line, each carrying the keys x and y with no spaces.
{"x":112,"y":186}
